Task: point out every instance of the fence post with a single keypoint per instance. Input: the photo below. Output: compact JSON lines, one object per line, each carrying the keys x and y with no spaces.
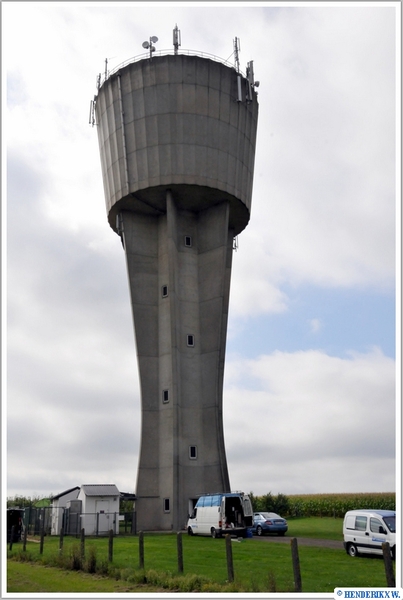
{"x":28,"y":523}
{"x":230,"y":563}
{"x":180,"y":551}
{"x":61,"y":539}
{"x":134,"y":522}
{"x":387,"y":559}
{"x":295,"y":565}
{"x":11,"y":537}
{"x":24,"y":539}
{"x":42,"y":540}
{"x":141,"y":550}
{"x":110,"y":546}
{"x":82,"y":543}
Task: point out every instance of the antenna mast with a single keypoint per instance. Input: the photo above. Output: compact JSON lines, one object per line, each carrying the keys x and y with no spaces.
{"x":176,"y":39}
{"x":237,"y":49}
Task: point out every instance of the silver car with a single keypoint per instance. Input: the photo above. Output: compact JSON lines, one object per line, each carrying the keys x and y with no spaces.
{"x":268,"y":522}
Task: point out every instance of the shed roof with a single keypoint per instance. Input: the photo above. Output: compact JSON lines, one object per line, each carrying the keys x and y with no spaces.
{"x":100,"y":489}
{"x":66,"y":492}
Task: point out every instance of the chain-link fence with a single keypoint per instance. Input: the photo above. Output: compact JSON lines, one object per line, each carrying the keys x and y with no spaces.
{"x":51,"y":520}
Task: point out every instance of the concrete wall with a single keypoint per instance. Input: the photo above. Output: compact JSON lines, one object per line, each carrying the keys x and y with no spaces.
{"x":177,"y":154}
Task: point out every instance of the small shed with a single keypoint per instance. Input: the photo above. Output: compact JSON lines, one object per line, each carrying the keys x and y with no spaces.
{"x":99,"y":508}
{"x":59,"y":504}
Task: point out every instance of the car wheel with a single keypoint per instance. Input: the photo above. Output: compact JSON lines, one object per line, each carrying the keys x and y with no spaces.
{"x":214,"y":532}
{"x":259,"y":530}
{"x":352,"y":550}
{"x":190,"y":531}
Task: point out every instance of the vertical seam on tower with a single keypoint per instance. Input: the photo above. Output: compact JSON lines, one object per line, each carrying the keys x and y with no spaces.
{"x":123,"y":135}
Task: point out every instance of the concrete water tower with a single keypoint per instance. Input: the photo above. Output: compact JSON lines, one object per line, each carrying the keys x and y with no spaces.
{"x":177,"y":137}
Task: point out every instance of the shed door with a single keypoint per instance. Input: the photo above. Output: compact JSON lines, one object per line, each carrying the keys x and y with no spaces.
{"x":102,"y":508}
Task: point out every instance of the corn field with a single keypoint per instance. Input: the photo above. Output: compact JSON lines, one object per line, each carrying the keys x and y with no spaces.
{"x":322,"y":505}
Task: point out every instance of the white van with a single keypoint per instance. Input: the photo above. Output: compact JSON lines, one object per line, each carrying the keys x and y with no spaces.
{"x":219,"y":514}
{"x":366,"y":530}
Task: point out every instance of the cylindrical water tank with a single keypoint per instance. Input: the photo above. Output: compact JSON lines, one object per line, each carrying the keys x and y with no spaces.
{"x":177,"y":122}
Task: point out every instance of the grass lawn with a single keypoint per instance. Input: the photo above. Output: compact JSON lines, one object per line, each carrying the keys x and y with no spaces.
{"x":35,"y":578}
{"x":321,"y":528}
{"x":259,"y":566}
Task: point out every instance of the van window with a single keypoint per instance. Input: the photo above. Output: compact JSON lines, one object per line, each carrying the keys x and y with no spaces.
{"x":247,"y":506}
{"x":391,"y":523}
{"x":350,"y":522}
{"x":215,"y":500}
{"x":207,"y":501}
{"x":375,"y":524}
{"x":361,"y":523}
{"x":200,"y":502}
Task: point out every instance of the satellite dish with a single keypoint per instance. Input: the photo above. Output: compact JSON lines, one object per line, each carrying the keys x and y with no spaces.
{"x":149,"y":45}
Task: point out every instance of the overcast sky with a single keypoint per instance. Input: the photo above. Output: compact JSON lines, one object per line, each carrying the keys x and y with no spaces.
{"x":309,"y":392}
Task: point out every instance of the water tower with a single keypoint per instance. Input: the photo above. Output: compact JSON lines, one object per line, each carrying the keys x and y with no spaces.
{"x":177,"y":135}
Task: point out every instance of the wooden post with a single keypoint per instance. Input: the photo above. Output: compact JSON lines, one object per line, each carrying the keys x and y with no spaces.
{"x":387,"y":559}
{"x":82,"y":543}
{"x":61,"y":539}
{"x":180,"y":551}
{"x":42,"y":540}
{"x":295,"y":565}
{"x":11,"y":537}
{"x":141,"y":550}
{"x":24,"y":539}
{"x":110,"y":552}
{"x":230,"y":562}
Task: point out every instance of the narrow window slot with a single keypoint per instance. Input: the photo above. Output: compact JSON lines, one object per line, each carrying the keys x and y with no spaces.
{"x":190,"y":340}
{"x":165,"y":396}
{"x":193,"y":452}
{"x":188,"y":241}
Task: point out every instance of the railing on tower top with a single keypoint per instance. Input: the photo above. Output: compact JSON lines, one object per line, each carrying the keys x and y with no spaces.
{"x":108,"y":73}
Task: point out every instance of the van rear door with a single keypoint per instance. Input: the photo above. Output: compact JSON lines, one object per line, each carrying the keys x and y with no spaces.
{"x":247,"y":511}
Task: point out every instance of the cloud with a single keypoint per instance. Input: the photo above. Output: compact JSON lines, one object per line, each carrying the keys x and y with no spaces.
{"x":323,"y":208}
{"x":289,"y":411}
{"x":315,"y":325}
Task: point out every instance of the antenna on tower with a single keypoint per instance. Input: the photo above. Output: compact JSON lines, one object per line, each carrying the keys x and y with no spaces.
{"x":92,"y":120}
{"x":149,"y":45}
{"x":237,"y":49}
{"x":177,"y":39}
{"x":252,"y":84}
